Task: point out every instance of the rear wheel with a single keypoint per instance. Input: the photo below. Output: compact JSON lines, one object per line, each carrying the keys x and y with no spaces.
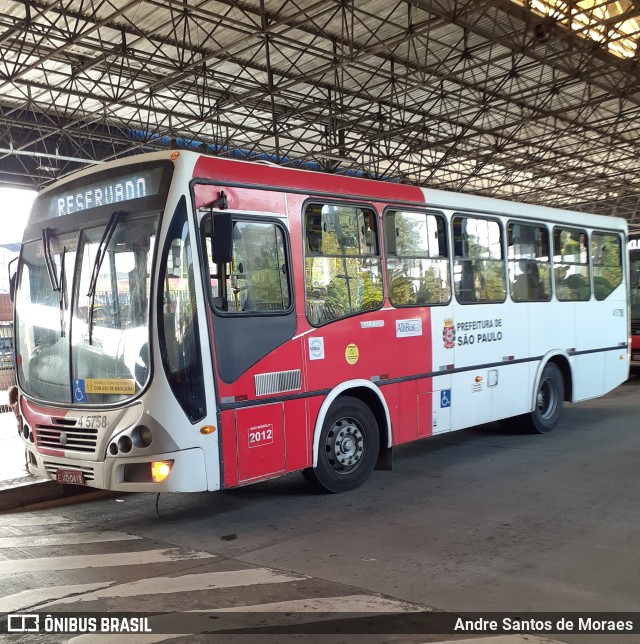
{"x":549,"y":399}
{"x":348,"y":449}
{"x":548,"y":404}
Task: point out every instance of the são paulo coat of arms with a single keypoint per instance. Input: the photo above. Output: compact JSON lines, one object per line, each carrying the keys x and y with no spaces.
{"x":448,"y":334}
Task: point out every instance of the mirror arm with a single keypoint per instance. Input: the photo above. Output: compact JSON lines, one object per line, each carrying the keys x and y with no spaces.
{"x":221,"y":203}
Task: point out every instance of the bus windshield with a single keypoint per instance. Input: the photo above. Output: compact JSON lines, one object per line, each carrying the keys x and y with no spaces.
{"x":82,"y":300}
{"x":97,"y":339}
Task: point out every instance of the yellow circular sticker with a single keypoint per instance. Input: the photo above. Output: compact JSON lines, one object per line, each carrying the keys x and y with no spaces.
{"x":351,"y":353}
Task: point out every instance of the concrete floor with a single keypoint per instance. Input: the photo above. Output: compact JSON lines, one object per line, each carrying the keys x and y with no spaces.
{"x":479,"y":520}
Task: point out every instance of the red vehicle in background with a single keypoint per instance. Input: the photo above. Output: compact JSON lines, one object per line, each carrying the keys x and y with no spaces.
{"x":634,"y":298}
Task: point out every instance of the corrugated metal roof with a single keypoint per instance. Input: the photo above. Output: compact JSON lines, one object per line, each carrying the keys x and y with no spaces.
{"x":507,"y":98}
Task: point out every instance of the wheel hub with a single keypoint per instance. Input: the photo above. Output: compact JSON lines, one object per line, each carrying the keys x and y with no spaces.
{"x":546,"y":399}
{"x":345,"y":445}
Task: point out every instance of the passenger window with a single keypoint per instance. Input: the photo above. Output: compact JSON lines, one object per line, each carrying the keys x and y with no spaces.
{"x":607,"y":264}
{"x":571,"y":264}
{"x":343,"y":268}
{"x":529,"y":263}
{"x":257,"y":278}
{"x":417,"y":258}
{"x":478,"y":269}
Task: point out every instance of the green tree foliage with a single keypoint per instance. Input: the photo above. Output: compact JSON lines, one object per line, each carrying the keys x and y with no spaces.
{"x":342,"y":271}
{"x":414,"y":273}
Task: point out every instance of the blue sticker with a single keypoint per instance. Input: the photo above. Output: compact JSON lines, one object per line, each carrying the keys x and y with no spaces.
{"x":445,"y":398}
{"x":79,"y":394}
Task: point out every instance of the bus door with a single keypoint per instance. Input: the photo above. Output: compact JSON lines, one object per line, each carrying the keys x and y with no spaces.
{"x":252,"y":321}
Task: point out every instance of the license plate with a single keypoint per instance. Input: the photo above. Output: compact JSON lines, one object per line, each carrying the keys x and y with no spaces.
{"x":635,"y":356}
{"x":72,"y":477}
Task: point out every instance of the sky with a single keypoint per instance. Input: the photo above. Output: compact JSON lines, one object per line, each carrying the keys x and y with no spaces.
{"x":14,"y":209}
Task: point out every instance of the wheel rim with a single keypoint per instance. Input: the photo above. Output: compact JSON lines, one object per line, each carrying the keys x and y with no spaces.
{"x":547,"y":398}
{"x":345,"y":445}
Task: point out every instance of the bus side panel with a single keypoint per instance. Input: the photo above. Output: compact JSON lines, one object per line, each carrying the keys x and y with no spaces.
{"x":279,"y":373}
{"x":443,"y":336}
{"x":551,"y":327}
{"x":404,"y":417}
{"x":379,"y":346}
{"x":425,"y":414}
{"x":489,"y":382}
{"x":263,"y":201}
{"x":600,"y":372}
{"x":374,"y":345}
{"x":260,"y":432}
{"x":229,"y":449}
{"x":616,"y":368}
{"x":313,"y":409}
{"x":588,"y":370}
{"x":297,"y":444}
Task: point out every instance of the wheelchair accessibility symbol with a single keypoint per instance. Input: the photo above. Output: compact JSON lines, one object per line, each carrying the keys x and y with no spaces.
{"x":79,"y":394}
{"x":445,"y":398}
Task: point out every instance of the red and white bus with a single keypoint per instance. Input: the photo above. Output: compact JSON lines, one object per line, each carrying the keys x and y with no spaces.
{"x":189,"y":323}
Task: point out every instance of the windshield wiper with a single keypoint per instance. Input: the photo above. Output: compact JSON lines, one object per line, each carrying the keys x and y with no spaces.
{"x":56,"y":285}
{"x":62,"y":292}
{"x":100,"y":255}
{"x":48,"y":259}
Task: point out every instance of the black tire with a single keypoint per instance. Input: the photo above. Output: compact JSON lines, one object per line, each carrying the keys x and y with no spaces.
{"x":548,"y":407}
{"x":348,"y":449}
{"x":548,"y":404}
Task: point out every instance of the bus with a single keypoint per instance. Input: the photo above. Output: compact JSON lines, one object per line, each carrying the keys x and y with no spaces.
{"x":188,"y":323}
{"x":633,"y":246}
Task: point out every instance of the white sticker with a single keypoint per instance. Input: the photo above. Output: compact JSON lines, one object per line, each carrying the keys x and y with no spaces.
{"x":371,"y":324}
{"x":316,"y":348}
{"x":408,"y":328}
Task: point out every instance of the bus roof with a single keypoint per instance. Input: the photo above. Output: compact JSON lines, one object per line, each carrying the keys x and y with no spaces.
{"x":267,"y":175}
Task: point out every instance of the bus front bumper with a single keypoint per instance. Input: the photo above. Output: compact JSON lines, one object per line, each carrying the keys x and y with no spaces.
{"x":135,"y":474}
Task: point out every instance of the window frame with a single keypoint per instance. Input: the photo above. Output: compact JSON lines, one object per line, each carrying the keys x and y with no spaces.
{"x":240,"y":216}
{"x":482,"y":217}
{"x":340,"y":204}
{"x":533,"y":224}
{"x":447,"y":257}
{"x":577,"y":229}
{"x":603,"y":233}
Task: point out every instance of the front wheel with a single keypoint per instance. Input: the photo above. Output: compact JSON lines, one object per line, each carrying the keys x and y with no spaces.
{"x":348,"y":449}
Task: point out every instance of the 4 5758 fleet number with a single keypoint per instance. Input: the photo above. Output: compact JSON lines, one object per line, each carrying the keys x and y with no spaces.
{"x":95,"y":421}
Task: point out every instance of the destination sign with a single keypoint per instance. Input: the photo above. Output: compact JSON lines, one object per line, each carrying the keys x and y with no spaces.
{"x":100,"y":189}
{"x":108,"y":193}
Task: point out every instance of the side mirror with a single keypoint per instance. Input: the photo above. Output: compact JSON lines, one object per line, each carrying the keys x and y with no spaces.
{"x":13,"y":279}
{"x":221,"y":238}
